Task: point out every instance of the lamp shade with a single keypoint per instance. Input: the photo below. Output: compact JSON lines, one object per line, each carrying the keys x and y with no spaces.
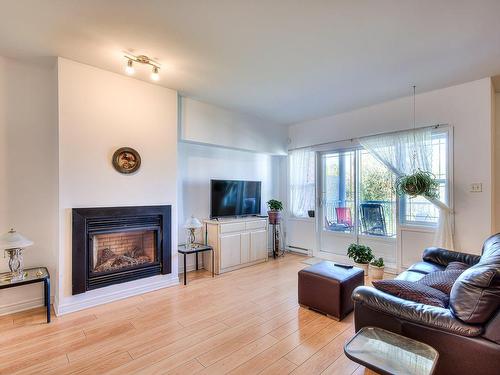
{"x":192,"y":223}
{"x":13,"y":240}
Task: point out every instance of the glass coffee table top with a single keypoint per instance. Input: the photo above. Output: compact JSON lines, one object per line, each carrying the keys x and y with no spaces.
{"x":389,"y":353}
{"x":30,"y":275}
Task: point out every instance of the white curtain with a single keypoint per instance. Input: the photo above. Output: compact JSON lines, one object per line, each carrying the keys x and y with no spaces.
{"x":302,"y":182}
{"x":402,"y":153}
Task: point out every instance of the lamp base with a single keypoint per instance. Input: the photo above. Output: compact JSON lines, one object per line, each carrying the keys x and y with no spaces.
{"x":16,"y":265}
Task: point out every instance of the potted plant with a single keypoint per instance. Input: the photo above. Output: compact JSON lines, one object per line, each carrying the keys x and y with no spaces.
{"x":376,"y":269}
{"x":361,"y":255}
{"x":274,"y":213}
{"x":418,"y":183}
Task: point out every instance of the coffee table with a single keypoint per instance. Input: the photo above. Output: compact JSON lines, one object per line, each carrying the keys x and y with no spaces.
{"x":388,"y":353}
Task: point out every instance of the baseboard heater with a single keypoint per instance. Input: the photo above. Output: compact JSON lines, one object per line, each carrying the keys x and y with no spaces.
{"x":297,"y":249}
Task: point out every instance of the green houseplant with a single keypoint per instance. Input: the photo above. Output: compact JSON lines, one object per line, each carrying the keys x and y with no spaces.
{"x":275,"y":207}
{"x":376,"y":269}
{"x":418,"y":183}
{"x":361,"y":255}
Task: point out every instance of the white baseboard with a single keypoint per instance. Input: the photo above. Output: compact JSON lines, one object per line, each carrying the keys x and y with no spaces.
{"x":23,"y":305}
{"x":113,"y":293}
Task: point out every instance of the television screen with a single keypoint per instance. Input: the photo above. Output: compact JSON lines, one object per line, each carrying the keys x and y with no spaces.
{"x":234,"y":198}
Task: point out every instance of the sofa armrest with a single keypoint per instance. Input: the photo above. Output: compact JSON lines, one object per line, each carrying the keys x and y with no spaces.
{"x":444,"y":257}
{"x":435,"y":317}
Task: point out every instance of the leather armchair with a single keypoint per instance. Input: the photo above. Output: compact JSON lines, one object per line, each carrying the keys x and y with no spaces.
{"x":460,"y":344}
{"x":430,"y":316}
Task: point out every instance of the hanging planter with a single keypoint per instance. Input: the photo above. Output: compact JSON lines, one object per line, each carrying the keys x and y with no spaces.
{"x":419,"y":183}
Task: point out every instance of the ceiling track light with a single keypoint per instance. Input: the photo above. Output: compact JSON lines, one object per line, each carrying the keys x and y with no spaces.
{"x":142,"y":59}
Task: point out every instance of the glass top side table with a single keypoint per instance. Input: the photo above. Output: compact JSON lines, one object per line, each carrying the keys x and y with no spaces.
{"x":195,"y":249}
{"x":31,"y":275}
{"x":389,"y":353}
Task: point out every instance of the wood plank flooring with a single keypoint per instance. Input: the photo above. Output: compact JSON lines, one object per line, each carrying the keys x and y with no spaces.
{"x":243,"y":322}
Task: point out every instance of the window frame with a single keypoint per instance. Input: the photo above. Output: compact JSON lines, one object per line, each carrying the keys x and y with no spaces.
{"x":403,"y":222}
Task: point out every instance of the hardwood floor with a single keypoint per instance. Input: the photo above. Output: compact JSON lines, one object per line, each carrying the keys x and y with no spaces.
{"x":243,"y":322}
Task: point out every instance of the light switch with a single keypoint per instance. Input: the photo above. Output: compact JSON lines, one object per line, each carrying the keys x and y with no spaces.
{"x":476,"y":187}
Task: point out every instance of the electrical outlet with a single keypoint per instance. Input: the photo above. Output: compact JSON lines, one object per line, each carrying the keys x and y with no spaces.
{"x":476,"y":187}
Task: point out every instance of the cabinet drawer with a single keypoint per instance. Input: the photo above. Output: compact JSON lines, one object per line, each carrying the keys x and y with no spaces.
{"x":232,"y":227}
{"x":261,"y":224}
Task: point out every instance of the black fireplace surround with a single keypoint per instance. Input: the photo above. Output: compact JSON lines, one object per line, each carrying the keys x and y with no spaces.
{"x":89,"y":222}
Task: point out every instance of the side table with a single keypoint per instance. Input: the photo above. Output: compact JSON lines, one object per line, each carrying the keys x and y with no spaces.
{"x":31,"y":275}
{"x":196,"y":249}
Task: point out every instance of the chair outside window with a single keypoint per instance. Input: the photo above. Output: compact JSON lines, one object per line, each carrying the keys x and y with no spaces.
{"x":344,"y":216}
{"x":373,"y":219}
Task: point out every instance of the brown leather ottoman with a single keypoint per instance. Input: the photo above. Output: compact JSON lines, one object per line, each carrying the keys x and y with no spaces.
{"x":327,"y":288}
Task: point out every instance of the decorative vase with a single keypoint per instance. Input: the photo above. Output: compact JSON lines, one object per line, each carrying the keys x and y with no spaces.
{"x":274,"y":217}
{"x":375,"y":272}
{"x":363,"y":266}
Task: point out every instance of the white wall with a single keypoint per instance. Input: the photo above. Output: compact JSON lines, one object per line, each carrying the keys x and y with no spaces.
{"x":200,"y":163}
{"x":28,"y":169}
{"x":467,"y":108}
{"x":496,"y":167}
{"x":208,"y":124}
{"x":99,"y":112}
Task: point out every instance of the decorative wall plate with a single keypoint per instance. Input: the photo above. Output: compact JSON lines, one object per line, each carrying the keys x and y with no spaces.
{"x":126,"y":160}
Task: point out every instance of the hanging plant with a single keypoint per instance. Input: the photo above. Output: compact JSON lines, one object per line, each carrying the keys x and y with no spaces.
{"x":418,"y":183}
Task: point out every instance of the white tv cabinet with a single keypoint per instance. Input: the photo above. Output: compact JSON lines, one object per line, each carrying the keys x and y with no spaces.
{"x":237,"y":243}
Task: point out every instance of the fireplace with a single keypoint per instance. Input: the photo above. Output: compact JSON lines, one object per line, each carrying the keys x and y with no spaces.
{"x":117,"y":244}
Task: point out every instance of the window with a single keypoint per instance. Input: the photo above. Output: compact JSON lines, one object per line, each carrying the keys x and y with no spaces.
{"x":339,"y":190}
{"x":302,"y":182}
{"x":358,"y":194}
{"x":419,"y":211}
{"x":377,"y":199}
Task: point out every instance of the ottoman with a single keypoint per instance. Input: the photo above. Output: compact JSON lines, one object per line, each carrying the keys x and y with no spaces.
{"x":327,"y":288}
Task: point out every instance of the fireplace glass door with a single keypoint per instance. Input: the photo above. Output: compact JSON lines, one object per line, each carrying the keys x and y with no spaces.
{"x":113,"y":252}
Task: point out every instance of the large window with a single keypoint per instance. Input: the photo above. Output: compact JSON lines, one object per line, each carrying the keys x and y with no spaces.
{"x":357,"y":189}
{"x":377,"y":200}
{"x":302,"y":182}
{"x":419,"y":211}
{"x":358,"y":194}
{"x":338,"y":191}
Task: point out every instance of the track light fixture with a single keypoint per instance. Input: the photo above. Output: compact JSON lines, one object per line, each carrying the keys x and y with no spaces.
{"x":142,"y":59}
{"x":130,"y":68}
{"x":155,"y":75}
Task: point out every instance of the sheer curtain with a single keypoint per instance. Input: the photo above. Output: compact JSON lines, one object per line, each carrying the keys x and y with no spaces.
{"x":396,"y":151}
{"x":302,"y":182}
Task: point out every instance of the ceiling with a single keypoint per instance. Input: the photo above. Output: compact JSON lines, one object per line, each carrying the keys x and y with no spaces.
{"x":285,"y":61}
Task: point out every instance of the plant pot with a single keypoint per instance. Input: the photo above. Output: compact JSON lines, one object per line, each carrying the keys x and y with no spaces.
{"x":274,"y":217}
{"x":310,"y":213}
{"x":363,"y":266}
{"x":375,"y":272}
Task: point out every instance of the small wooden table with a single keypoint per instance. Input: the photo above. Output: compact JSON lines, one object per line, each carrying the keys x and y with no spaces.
{"x":195,"y":249}
{"x":31,"y":275}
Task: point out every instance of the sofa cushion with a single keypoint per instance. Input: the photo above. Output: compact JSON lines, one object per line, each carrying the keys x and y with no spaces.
{"x":413,"y":291}
{"x":426,"y":267}
{"x":454,"y":266}
{"x":444,"y":280}
{"x":410,"y":276}
{"x":475,"y":296}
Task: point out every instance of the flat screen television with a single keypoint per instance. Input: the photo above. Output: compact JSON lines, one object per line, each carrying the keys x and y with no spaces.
{"x":234,"y":198}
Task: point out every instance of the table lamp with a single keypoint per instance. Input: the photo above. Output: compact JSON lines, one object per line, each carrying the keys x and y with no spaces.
{"x":191,"y":225}
{"x":13,"y":244}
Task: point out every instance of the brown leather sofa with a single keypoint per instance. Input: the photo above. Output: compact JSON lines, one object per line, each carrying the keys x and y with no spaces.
{"x":467,"y":333}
